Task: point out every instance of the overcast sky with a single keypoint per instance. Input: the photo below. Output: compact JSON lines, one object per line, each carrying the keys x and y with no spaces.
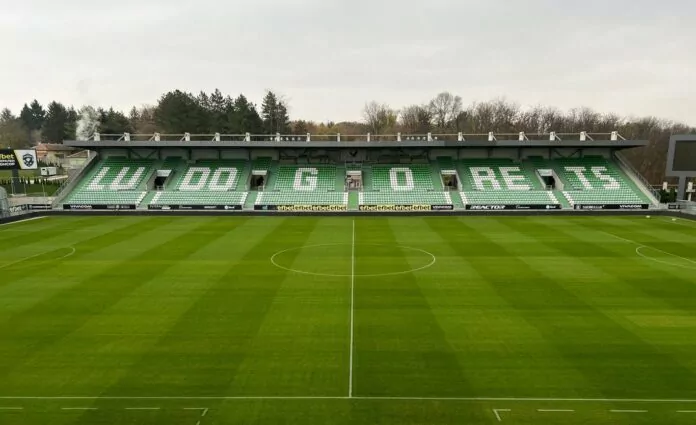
{"x":328,"y":57}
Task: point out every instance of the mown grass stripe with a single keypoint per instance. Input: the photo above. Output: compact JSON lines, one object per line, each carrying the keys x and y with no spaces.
{"x":401,"y":350}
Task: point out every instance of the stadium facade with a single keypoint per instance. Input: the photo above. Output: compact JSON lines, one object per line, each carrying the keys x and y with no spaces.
{"x":366,"y":173}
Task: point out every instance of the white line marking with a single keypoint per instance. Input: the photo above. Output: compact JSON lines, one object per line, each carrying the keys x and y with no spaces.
{"x":41,"y":253}
{"x":681,"y":222}
{"x":22,"y":221}
{"x":11,"y":408}
{"x":555,"y":410}
{"x":473,"y":399}
{"x":628,"y":411}
{"x":205,"y":412}
{"x":686,"y":411}
{"x":352,"y":314}
{"x":142,"y":408}
{"x":497,"y":413}
{"x":309,"y":273}
{"x":641,"y":246}
{"x":78,"y":408}
{"x":657,"y":260}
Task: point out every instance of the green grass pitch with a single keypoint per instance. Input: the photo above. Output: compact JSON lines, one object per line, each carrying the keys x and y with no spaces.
{"x":289,"y":320}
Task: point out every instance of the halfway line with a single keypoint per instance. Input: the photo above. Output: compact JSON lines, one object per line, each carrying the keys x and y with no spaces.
{"x":352,"y":301}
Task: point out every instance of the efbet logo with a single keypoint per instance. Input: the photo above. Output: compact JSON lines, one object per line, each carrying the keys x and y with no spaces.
{"x":28,"y":159}
{"x":6,"y":156}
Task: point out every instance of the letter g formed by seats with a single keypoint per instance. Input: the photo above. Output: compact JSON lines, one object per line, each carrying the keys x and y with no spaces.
{"x":305,"y":179}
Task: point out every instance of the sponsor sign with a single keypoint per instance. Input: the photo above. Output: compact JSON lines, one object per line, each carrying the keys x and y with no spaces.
{"x":39,"y":206}
{"x":368,"y":208}
{"x":26,"y":207}
{"x":442,"y":207}
{"x":195,"y":207}
{"x":22,"y":159}
{"x":98,"y":207}
{"x":300,"y":208}
{"x":611,"y":206}
{"x":479,"y":207}
{"x":17,"y":208}
{"x":676,"y":206}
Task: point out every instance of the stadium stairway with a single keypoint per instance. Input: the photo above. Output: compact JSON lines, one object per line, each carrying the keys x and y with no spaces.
{"x":562,"y":199}
{"x":340,"y":178}
{"x":367,"y":177}
{"x":147,"y":199}
{"x":456,"y":199}
{"x":436,"y":175}
{"x":250,"y":200}
{"x":353,"y":201}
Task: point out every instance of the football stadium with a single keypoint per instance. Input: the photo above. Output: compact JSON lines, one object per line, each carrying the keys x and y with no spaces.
{"x":433,"y":279}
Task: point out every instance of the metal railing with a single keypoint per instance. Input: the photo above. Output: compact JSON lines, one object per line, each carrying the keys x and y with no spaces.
{"x":628,"y":166}
{"x":72,"y":181}
{"x":368,"y":137}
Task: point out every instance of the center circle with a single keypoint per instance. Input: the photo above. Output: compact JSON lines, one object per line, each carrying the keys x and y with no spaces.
{"x":329,"y":259}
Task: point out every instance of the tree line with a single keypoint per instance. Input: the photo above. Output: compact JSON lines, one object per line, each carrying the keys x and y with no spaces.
{"x":178,"y":111}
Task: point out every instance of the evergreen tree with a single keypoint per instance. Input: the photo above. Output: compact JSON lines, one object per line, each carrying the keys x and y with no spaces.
{"x":218,"y":105}
{"x":275,"y":114}
{"x":243,"y":117}
{"x":133,"y":118}
{"x":113,"y":122}
{"x":33,"y":117}
{"x":179,"y":112}
{"x":57,"y":125}
{"x":13,"y":134}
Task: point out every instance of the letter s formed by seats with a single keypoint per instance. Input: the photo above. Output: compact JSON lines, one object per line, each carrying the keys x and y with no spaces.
{"x":305,"y":179}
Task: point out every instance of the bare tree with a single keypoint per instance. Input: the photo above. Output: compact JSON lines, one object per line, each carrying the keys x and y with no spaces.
{"x":445,"y":108}
{"x":416,"y":119}
{"x":379,"y":117}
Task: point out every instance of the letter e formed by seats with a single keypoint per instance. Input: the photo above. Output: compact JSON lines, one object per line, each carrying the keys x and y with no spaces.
{"x":305,"y":179}
{"x":408,"y":176}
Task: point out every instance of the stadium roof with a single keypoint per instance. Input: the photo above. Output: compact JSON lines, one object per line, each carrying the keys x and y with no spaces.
{"x":516,"y":140}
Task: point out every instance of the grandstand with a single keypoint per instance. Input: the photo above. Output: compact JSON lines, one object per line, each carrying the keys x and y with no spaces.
{"x":440,"y":175}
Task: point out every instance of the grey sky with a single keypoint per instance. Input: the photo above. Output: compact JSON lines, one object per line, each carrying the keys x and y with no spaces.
{"x":328,"y":57}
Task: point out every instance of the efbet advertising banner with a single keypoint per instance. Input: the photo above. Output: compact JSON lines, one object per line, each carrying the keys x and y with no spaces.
{"x":23,"y":159}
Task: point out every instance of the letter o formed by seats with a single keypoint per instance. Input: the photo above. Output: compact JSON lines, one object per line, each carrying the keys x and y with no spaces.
{"x":305,"y":179}
{"x":229,"y":184}
{"x":408,"y":176}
